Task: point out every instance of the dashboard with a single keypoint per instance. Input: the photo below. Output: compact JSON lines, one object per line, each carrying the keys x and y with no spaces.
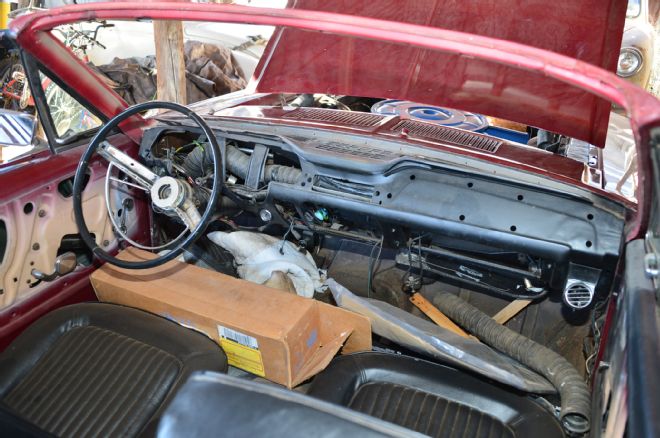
{"x":519,"y":237}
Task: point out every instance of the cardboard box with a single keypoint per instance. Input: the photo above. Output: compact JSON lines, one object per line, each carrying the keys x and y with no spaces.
{"x":277,"y":335}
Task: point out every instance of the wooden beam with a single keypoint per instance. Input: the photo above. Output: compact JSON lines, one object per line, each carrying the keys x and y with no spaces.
{"x":510,"y":310}
{"x":170,"y":65}
{"x":436,"y":315}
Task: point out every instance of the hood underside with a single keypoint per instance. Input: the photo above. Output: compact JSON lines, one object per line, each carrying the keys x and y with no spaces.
{"x":589,"y":30}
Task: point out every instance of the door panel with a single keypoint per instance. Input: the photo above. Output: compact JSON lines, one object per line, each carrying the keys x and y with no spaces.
{"x":641,"y":316}
{"x":627,"y":383}
{"x":36,"y":223}
{"x":37,"y":216}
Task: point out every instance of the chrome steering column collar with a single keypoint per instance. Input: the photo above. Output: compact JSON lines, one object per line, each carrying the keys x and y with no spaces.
{"x":171,"y":194}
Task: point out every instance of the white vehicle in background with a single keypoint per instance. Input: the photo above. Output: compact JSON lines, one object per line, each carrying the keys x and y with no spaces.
{"x":637,"y":48}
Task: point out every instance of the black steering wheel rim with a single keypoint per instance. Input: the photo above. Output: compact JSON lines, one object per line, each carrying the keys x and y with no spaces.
{"x":79,"y":178}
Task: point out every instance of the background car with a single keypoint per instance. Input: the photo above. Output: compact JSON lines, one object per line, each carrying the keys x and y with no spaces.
{"x":637,"y":49}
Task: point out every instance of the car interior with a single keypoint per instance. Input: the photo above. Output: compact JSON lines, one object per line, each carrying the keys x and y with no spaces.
{"x":322,"y":197}
{"x":101,"y":369}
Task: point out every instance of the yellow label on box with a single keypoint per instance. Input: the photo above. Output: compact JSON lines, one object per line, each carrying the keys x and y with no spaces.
{"x":242,"y":351}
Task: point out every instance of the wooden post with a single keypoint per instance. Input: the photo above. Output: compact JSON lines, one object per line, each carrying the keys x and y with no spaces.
{"x":170,"y":65}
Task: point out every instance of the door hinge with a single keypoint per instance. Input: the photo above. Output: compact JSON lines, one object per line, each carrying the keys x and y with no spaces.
{"x":651,"y":265}
{"x":652,"y":257}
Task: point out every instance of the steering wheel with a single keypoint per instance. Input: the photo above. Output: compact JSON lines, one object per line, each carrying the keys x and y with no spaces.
{"x":167,"y":193}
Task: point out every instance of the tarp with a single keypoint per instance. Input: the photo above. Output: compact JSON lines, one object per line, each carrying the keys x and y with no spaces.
{"x":210,"y":71}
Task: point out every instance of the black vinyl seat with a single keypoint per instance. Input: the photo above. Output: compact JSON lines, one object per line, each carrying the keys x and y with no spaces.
{"x":218,"y":405}
{"x":431,"y":399}
{"x":100,"y":370}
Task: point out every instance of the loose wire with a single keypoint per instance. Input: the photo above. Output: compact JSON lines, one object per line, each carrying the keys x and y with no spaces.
{"x":372,"y":263}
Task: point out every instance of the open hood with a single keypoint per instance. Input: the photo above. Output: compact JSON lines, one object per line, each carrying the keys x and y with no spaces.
{"x":589,"y":30}
{"x":520,"y":82}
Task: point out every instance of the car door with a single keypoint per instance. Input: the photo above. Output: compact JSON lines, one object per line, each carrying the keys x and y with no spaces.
{"x":626,"y":382}
{"x":36,"y":214}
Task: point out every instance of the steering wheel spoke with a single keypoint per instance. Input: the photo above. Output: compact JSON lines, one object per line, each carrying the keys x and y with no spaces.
{"x":134,"y":169}
{"x":127,"y":183}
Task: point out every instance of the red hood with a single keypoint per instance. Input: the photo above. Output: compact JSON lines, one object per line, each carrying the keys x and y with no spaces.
{"x":588,"y":30}
{"x":568,"y":74}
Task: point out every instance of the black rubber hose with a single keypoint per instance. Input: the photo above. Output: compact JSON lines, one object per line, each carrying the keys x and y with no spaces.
{"x":203,"y":196}
{"x":238,"y":163}
{"x":197,"y":163}
{"x":573,"y":391}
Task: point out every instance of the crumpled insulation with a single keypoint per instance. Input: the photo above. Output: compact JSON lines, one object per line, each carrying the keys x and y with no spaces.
{"x":258,"y":255}
{"x":427,"y":338}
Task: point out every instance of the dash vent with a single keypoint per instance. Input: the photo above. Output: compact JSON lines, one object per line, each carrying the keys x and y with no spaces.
{"x":448,"y":135}
{"x":578,"y":295}
{"x":348,"y":118}
{"x":357,"y":151}
{"x":351,"y":189}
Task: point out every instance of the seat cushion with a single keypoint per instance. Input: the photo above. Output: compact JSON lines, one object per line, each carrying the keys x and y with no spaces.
{"x":217,"y":405}
{"x":100,"y":369}
{"x":426,"y":413}
{"x":431,"y":399}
